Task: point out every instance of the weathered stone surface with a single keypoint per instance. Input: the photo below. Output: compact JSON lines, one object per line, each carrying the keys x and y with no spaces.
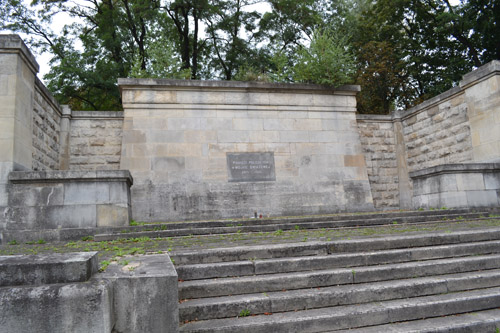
{"x":59,"y":308}
{"x":181,"y":171}
{"x":69,"y":199}
{"x":457,"y":185}
{"x":47,"y":268}
{"x":145,"y":294}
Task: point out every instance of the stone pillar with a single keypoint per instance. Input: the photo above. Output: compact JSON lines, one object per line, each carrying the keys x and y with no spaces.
{"x":64,"y":137}
{"x":405,"y":192}
{"x":18,"y":69}
{"x":482,"y":94}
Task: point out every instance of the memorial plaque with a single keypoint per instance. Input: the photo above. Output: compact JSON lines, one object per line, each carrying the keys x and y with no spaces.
{"x":250,"y":167}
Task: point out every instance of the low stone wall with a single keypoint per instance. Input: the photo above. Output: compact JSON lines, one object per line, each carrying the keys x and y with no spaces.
{"x":378,"y":140}
{"x":206,"y":149}
{"x":68,"y":199}
{"x":63,"y":293}
{"x":95,"y":140}
{"x":457,"y":185}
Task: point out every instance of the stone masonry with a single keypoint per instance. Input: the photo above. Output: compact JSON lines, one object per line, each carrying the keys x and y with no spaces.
{"x":95,"y":140}
{"x":178,"y":136}
{"x":379,"y":146}
{"x":438,"y":131}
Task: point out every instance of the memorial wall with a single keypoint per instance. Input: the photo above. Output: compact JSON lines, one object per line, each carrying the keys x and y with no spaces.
{"x":205,"y":149}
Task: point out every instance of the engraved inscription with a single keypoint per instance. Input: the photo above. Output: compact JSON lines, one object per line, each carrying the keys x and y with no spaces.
{"x":250,"y":167}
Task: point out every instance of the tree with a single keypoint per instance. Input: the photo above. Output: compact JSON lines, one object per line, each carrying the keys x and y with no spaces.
{"x":326,"y":61}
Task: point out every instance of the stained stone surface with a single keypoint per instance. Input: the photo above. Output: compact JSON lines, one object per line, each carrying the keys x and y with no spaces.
{"x":179,"y":137}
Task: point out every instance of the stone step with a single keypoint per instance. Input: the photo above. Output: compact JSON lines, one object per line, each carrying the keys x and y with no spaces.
{"x":258,"y":225}
{"x":242,"y":253}
{"x":313,"y":298}
{"x":356,"y":316}
{"x":307,"y":263}
{"x":51,"y":268}
{"x":478,"y":321}
{"x":332,"y":277}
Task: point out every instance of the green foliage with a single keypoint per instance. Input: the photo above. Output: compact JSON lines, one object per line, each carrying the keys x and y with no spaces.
{"x":326,"y":61}
{"x":13,"y":242}
{"x":400,"y":52}
{"x":244,"y":313}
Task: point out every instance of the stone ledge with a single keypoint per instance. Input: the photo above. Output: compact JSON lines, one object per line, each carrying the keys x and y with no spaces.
{"x":456,"y":168}
{"x":118,"y":115}
{"x":483,"y":72}
{"x":238,"y":85}
{"x":47,"y":268}
{"x":19,"y":177}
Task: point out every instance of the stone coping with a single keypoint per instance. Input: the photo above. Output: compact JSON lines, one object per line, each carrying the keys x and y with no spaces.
{"x":456,"y":168}
{"x":483,"y":72}
{"x":11,"y":43}
{"x":235,"y":85}
{"x":18,"y":177}
{"x":97,"y":115}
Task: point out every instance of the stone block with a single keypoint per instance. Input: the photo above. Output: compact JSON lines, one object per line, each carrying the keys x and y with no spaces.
{"x":482,"y":198}
{"x":59,"y":308}
{"x":145,"y":294}
{"x":247,"y":124}
{"x":154,"y":136}
{"x":279,"y":124}
{"x":67,"y":216}
{"x":116,"y":215}
{"x":169,"y":164}
{"x":233,"y":136}
{"x":85,"y":193}
{"x":492,"y":181}
{"x":294,"y":136}
{"x":470,"y":182}
{"x":450,"y":200}
{"x":47,"y":268}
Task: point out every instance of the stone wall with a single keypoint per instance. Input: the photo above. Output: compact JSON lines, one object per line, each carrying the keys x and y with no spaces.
{"x":95,"y":140}
{"x":379,"y":146}
{"x":179,"y":137}
{"x":46,"y":130}
{"x":438,"y":131}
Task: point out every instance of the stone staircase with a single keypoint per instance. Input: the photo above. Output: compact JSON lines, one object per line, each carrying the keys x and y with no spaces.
{"x":439,"y":282}
{"x":178,"y":229}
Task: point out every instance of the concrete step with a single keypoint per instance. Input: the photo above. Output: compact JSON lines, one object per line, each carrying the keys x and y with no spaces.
{"x":242,"y":253}
{"x":269,"y":225}
{"x":51,"y":268}
{"x":304,"y":299}
{"x":355,"y":316}
{"x":332,"y":277}
{"x":479,"y":321}
{"x":307,"y":263}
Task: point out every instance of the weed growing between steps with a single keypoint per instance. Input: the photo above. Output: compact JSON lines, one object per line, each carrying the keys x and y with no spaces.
{"x":117,"y":250}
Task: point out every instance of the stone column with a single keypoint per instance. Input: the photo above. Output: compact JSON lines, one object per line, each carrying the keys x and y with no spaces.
{"x":405,"y":193}
{"x":64,"y":137}
{"x":18,"y":69}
